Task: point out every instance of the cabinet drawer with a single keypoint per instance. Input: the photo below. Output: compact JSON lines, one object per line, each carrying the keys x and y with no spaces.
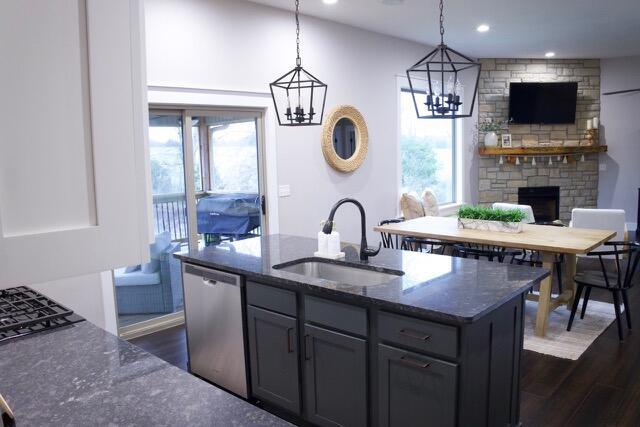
{"x":272,"y":298}
{"x":336,"y":315}
{"x":418,"y":334}
{"x":415,"y":390}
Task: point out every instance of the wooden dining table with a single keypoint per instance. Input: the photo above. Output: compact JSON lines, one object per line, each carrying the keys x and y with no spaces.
{"x":550,"y":241}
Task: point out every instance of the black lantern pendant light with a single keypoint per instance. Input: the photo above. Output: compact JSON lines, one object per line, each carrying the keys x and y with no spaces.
{"x":298,"y":96}
{"x":435,"y":82}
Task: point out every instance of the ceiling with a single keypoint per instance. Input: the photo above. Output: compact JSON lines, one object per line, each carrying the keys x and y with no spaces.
{"x":519,"y":28}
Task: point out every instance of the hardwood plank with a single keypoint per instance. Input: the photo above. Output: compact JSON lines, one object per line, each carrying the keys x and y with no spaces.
{"x":599,"y":408}
{"x":169,"y":345}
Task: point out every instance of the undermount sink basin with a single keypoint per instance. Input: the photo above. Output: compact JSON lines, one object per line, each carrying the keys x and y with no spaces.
{"x":340,"y":273}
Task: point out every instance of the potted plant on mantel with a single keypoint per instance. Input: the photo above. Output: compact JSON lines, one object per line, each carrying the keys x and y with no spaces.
{"x":490,"y":128}
{"x":488,"y":219}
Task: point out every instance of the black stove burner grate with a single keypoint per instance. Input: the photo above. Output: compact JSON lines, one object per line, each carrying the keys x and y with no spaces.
{"x":24,"y":311}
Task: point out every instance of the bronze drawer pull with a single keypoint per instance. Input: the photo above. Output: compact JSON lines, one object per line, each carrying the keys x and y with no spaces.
{"x":415,"y":335}
{"x":415,"y":363}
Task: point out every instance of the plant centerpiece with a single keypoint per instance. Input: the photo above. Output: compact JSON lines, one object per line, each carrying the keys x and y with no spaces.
{"x":490,"y":129}
{"x":484,"y":218}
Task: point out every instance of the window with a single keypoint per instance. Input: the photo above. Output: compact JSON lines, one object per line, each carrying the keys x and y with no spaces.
{"x":427,"y":153}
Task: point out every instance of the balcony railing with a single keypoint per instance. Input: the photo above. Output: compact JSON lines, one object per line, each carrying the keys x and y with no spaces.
{"x":170,"y":214}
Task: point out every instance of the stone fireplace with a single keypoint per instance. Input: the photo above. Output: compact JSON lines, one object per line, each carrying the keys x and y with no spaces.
{"x":577,"y":180}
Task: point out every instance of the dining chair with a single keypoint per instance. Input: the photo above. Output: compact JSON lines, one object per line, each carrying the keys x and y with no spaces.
{"x":391,"y":241}
{"x":617,"y":282}
{"x":533,"y":258}
{"x":601,"y":219}
{"x":489,"y":252}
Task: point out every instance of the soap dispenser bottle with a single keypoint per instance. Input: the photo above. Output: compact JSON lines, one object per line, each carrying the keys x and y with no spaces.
{"x":323,"y":241}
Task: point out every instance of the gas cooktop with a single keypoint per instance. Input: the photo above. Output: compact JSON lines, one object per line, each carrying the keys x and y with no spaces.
{"x":24,"y":311}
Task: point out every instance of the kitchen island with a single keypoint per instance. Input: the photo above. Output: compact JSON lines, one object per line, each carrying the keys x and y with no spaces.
{"x":81,"y":375}
{"x":437,"y":342}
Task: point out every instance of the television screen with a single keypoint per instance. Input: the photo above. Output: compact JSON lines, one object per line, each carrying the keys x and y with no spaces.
{"x":543,"y":103}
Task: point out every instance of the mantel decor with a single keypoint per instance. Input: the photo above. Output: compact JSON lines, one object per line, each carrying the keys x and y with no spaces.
{"x":435,"y":82}
{"x":345,"y":138}
{"x":307,"y":93}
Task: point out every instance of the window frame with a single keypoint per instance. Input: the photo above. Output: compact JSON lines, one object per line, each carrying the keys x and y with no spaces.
{"x":403,"y":86}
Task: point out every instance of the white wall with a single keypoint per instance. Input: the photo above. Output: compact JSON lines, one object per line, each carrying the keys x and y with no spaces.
{"x":241,"y":46}
{"x":620,"y":130}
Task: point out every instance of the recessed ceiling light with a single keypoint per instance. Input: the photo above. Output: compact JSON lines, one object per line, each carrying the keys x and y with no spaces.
{"x":550,"y":54}
{"x":483,"y":28}
{"x":330,"y":1}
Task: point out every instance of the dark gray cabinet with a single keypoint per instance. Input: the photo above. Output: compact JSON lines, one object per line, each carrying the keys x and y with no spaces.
{"x":335,"y":368}
{"x":273,"y":352}
{"x":415,"y":390}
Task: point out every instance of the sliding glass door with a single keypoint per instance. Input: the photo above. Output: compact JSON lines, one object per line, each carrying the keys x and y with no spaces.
{"x":207,"y":183}
{"x":227,"y":171}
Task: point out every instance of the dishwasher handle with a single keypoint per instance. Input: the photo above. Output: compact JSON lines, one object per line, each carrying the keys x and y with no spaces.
{"x":212,"y":277}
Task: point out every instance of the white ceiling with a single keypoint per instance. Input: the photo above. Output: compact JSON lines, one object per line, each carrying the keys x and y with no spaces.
{"x":519,"y":28}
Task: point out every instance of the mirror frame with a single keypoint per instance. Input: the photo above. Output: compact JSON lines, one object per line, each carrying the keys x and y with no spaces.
{"x":362,"y":139}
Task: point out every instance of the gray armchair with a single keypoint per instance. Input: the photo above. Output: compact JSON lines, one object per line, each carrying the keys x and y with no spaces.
{"x":155,"y":287}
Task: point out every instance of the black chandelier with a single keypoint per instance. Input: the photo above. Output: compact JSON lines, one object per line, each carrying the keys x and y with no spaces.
{"x":307,"y":93}
{"x":435,"y":82}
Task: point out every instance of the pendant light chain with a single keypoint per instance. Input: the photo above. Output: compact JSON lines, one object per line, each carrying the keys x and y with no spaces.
{"x":298,"y":60}
{"x":441,"y":22}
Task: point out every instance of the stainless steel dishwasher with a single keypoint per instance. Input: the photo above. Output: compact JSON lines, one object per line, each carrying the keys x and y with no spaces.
{"x":215,"y":333}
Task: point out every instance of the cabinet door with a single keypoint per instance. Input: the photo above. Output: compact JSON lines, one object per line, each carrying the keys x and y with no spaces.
{"x":415,"y":390}
{"x":73,"y":181}
{"x":335,"y":378}
{"x":273,"y":351}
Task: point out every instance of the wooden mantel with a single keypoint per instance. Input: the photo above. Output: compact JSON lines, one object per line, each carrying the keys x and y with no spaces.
{"x":540,"y":151}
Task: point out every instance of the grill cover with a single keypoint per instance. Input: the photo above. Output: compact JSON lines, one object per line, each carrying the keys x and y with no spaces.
{"x":229,"y":214}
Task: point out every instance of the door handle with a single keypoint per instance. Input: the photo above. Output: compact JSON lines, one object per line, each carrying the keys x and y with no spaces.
{"x":289,"y":340}
{"x":413,"y":362}
{"x":209,"y":282}
{"x":413,"y":334}
{"x":307,"y":352}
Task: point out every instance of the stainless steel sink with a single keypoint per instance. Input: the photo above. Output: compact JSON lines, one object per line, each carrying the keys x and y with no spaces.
{"x":340,"y":273}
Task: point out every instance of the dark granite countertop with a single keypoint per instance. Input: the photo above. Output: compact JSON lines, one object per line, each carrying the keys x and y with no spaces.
{"x":439,"y":287}
{"x":81,"y":375}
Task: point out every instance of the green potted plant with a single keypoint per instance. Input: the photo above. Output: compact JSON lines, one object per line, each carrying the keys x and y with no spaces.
{"x":490,"y":128}
{"x":489,"y":219}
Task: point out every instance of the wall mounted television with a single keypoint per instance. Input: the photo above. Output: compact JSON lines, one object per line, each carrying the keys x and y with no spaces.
{"x":543,"y":103}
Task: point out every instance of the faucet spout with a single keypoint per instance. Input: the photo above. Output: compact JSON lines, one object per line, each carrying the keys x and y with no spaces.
{"x":365,"y":251}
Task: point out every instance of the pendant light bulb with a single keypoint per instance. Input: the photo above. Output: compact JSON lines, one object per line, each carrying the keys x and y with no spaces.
{"x":558,"y":158}
{"x":517,"y":160}
{"x":582,"y":158}
{"x":565,"y":161}
{"x":501,"y":161}
{"x":533,"y":161}
{"x":550,"y":161}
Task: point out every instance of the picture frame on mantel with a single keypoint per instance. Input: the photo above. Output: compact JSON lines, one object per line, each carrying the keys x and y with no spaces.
{"x":505,"y":140}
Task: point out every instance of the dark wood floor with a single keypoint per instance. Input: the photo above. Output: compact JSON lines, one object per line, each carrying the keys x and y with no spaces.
{"x":602,"y":388}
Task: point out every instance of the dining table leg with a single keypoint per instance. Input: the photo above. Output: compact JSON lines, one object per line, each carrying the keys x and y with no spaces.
{"x":544,"y":296}
{"x":570,"y":263}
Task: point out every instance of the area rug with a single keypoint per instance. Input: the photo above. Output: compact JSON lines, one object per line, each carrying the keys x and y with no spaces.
{"x":560,"y":343}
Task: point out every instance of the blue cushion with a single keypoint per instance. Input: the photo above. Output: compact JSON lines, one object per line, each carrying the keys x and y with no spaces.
{"x":151,"y":266}
{"x":136,"y":278}
{"x":132,"y":268}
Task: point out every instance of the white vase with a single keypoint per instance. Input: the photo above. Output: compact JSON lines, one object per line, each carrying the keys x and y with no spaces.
{"x":490,"y":139}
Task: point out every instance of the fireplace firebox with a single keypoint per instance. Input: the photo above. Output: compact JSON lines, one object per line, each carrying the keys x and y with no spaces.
{"x":545,"y":202}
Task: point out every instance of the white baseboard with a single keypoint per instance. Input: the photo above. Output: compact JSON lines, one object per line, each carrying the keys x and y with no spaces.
{"x":152,"y":325}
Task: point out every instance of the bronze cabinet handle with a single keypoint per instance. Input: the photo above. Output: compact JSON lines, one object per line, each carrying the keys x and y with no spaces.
{"x":289,"y":340}
{"x":415,"y":335}
{"x":413,"y":362}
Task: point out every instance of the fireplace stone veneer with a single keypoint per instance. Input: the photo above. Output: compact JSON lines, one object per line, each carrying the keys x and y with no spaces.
{"x":578,"y":181}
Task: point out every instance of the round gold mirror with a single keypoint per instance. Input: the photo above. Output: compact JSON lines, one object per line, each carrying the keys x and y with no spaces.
{"x":345,"y":138}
